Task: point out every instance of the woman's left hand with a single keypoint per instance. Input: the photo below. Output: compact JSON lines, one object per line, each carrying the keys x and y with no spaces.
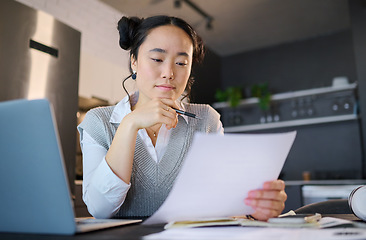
{"x":269,"y":201}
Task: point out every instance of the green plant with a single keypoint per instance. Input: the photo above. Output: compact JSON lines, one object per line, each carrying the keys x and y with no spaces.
{"x":232,"y":95}
{"x":263,"y":94}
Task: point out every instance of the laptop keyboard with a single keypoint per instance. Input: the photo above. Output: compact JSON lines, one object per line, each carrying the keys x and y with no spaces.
{"x":81,"y":221}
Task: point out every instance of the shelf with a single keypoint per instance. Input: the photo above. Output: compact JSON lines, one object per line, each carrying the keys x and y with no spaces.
{"x":292,"y":123}
{"x":289,"y":95}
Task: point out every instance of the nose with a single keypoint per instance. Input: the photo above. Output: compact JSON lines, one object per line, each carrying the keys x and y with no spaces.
{"x":168,"y":72}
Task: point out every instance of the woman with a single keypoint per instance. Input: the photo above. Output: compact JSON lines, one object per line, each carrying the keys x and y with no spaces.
{"x":133,"y":151}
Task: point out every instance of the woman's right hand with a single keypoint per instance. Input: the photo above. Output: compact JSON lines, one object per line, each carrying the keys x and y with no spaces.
{"x":156,"y":111}
{"x":121,"y":152}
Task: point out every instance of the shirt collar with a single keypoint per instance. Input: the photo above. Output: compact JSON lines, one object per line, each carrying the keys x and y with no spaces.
{"x":123,"y":108}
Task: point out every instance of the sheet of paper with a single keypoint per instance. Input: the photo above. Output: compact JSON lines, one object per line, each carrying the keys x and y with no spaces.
{"x":219,"y":171}
{"x":250,"y":233}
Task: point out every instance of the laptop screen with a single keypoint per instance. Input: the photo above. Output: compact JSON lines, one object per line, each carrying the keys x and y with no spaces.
{"x":35,"y":196}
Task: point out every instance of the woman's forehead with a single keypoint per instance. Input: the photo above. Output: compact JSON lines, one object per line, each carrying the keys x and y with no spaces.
{"x":168,"y":38}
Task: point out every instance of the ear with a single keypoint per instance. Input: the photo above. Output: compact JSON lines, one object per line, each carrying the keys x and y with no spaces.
{"x":133,"y":63}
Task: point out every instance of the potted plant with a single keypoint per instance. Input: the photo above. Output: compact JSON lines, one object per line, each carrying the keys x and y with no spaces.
{"x":263,"y":94}
{"x":232,"y":95}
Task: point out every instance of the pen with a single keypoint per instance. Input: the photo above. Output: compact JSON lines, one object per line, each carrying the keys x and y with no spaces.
{"x":188,"y":114}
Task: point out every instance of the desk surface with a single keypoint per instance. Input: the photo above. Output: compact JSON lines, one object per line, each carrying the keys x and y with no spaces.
{"x":131,"y":232}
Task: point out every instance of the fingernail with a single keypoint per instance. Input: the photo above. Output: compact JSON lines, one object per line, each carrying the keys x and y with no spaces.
{"x":252,"y":194}
{"x":248,"y":201}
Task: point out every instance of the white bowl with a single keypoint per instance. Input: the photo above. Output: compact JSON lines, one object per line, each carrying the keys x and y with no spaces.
{"x":341,"y":81}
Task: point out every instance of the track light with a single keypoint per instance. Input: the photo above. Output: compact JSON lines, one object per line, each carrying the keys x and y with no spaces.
{"x":177,"y":4}
{"x":209,"y":24}
{"x":209,"y":19}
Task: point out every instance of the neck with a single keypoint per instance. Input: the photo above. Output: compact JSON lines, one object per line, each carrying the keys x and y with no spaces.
{"x":155,"y":129}
{"x":153,"y":133}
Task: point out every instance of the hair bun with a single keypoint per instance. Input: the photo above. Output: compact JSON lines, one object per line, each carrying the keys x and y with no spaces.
{"x":127,"y":28}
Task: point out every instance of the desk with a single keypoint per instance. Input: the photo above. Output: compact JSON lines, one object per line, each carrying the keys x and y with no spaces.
{"x":130,"y":232}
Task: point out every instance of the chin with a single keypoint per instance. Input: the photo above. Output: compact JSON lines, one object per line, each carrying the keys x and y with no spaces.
{"x":167,"y":96}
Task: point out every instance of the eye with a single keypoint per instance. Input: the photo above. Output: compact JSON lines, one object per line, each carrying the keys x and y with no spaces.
{"x":181,"y":64}
{"x":156,"y":60}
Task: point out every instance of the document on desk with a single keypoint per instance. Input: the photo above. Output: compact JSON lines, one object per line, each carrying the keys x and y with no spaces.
{"x":250,"y":233}
{"x":218,"y":173}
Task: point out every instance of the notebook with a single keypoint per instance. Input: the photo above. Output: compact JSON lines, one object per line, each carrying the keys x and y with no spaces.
{"x":35,"y":196}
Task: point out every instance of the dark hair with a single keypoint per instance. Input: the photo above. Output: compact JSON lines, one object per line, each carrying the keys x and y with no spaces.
{"x":133,"y":32}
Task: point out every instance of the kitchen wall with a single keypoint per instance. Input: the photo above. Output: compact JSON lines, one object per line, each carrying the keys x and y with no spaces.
{"x":311,"y":63}
{"x":207,"y":77}
{"x":103,"y":64}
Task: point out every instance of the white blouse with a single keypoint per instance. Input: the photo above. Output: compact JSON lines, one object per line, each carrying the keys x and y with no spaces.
{"x":103,"y":191}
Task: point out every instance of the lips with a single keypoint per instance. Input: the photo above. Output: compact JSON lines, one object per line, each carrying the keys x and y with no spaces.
{"x":165,"y":87}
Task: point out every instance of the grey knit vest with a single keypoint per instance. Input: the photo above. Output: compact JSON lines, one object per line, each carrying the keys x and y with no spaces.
{"x":151,"y":182}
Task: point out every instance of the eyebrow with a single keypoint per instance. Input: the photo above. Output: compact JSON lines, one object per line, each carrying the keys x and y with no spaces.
{"x":160,"y":50}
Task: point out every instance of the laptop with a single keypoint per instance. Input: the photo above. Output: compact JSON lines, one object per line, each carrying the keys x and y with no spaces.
{"x":35,"y":196}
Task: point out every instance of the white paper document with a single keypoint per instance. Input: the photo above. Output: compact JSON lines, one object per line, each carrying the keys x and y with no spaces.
{"x":250,"y":233}
{"x":218,"y":173}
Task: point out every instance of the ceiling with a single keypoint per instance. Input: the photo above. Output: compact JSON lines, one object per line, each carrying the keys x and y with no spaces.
{"x":244,"y":25}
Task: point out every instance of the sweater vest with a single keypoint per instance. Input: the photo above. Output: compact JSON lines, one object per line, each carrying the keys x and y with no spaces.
{"x":151,"y":182}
